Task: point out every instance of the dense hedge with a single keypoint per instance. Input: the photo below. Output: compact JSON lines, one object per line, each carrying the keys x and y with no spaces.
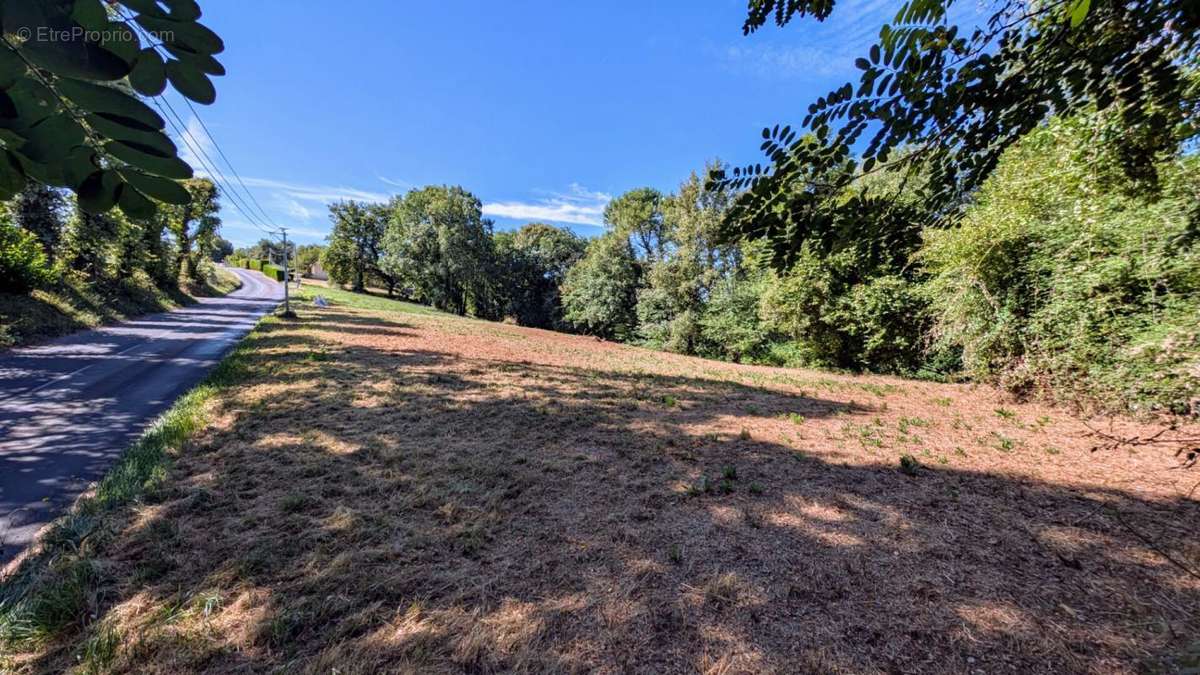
{"x":273,"y":272}
{"x":1069,"y":282}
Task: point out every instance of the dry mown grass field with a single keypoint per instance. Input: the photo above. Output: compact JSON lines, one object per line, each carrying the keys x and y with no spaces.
{"x":407,"y":492}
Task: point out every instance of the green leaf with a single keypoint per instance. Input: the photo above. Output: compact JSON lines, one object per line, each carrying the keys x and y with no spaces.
{"x":1079,"y":11}
{"x":138,"y":136}
{"x":81,"y":164}
{"x":183,"y":10}
{"x":89,"y":13}
{"x":98,"y":193}
{"x":134,"y":203}
{"x":166,"y":191}
{"x":202,"y":62}
{"x":148,"y":7}
{"x":191,"y":83}
{"x":149,"y":74}
{"x":12,"y":66}
{"x":12,"y":178}
{"x":148,"y":160}
{"x":194,"y":36}
{"x":31,"y":101}
{"x":121,"y":40}
{"x":52,"y":139}
{"x":73,"y":54}
{"x":44,"y":173}
{"x":100,"y":99}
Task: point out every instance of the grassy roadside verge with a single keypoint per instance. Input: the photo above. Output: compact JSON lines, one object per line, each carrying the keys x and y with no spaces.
{"x":72,"y":305}
{"x":55,"y":589}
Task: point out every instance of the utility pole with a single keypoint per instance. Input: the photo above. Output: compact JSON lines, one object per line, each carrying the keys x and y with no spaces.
{"x":287,"y":306}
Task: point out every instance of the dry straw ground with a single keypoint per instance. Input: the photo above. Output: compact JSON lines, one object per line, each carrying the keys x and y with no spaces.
{"x":404,"y":492}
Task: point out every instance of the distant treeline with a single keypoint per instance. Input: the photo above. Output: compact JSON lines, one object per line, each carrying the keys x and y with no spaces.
{"x":1064,"y":279}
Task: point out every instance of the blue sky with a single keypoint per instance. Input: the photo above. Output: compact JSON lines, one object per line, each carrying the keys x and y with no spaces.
{"x":542,"y":109}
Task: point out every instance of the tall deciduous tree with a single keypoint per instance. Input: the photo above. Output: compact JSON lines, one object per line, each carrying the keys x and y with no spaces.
{"x":678,"y":285}
{"x":194,"y":226}
{"x":535,"y":260}
{"x":40,"y":209}
{"x":637,"y":214}
{"x":600,"y":291}
{"x":356,"y":245}
{"x":439,"y":245}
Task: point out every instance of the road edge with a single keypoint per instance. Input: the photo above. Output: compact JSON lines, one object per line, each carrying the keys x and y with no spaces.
{"x":45,"y":589}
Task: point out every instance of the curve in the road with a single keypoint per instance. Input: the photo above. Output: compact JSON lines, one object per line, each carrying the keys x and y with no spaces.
{"x":68,"y":408}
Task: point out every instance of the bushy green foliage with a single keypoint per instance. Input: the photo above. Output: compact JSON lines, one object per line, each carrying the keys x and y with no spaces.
{"x":91,"y":245}
{"x":1067,"y":280}
{"x":23,"y":264}
{"x":731,"y":328}
{"x":40,"y":210}
{"x":307,"y":256}
{"x":274,"y":272}
{"x":600,"y":292}
{"x":688,"y":262}
{"x":438,"y":244}
{"x":963,"y":88}
{"x":533,"y":262}
{"x":353,"y":257}
{"x":837,"y":316}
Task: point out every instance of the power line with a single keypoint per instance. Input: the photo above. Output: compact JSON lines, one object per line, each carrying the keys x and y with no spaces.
{"x":228,"y":163}
{"x":206,"y":161}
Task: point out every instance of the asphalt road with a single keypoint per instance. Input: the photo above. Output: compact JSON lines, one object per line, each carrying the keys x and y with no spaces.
{"x":69,"y":407}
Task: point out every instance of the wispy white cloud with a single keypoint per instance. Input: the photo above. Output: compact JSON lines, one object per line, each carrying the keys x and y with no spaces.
{"x":396,"y":183}
{"x":807,"y":48}
{"x":295,"y":209}
{"x":193,"y":144}
{"x":578,"y":206}
{"x":321,"y":194}
{"x":785,"y":62}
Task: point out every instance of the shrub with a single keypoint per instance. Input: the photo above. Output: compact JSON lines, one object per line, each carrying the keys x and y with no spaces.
{"x":1067,"y":281}
{"x":23,"y":264}
{"x":844,"y":310}
{"x":273,"y":272}
{"x":730,"y":327}
{"x":599,"y":292}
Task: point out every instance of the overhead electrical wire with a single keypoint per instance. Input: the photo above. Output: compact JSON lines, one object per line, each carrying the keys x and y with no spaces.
{"x":262,"y":221}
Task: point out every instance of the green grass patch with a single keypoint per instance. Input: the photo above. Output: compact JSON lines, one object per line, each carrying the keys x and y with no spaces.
{"x":337,"y":297}
{"x":57,"y":588}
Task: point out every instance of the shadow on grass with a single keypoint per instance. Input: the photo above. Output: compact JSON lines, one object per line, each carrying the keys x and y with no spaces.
{"x":372,"y":509}
{"x":68,"y":307}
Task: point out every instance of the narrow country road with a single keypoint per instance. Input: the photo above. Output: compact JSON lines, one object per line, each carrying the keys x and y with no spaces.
{"x":69,"y":407}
